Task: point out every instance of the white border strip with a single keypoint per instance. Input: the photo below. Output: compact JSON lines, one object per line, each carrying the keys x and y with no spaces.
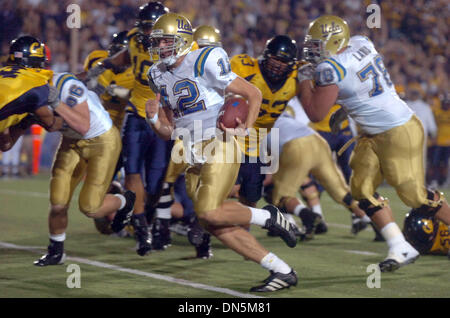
{"x":136,"y":272}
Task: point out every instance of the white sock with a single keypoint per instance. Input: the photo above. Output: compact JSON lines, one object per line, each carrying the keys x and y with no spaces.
{"x":271,"y":262}
{"x":298,"y":208}
{"x":123,"y":201}
{"x":259,"y":216}
{"x":392,"y":234}
{"x":317,"y":209}
{"x":58,"y":237}
{"x":366,"y":219}
{"x":163,"y":213}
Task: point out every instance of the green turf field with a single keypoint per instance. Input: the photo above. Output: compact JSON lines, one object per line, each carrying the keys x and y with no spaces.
{"x":332,"y":265}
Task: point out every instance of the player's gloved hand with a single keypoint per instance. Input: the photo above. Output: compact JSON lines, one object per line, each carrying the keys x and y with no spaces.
{"x":305,"y":72}
{"x":239,"y":130}
{"x":53,"y":97}
{"x":119,"y":91}
{"x":336,"y":119}
{"x":98,"y":70}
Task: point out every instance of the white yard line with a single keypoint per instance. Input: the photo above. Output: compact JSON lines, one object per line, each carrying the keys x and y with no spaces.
{"x":28,"y":193}
{"x":169,"y":279}
{"x":362,"y":252}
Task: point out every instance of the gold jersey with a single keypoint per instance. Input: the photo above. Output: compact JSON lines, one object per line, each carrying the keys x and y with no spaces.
{"x":140,"y":63}
{"x":114,"y":105}
{"x":324,"y":124}
{"x":441,"y":243}
{"x":443,"y":124}
{"x":274,"y":101}
{"x":23,"y":90}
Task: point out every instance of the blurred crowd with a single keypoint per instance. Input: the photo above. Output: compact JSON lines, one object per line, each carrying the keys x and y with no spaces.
{"x":413,"y":37}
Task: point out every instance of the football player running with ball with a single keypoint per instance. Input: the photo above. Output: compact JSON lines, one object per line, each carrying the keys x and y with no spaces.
{"x":350,"y":72}
{"x":191,"y":86}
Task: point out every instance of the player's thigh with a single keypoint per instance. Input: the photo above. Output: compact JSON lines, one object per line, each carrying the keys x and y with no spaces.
{"x":327,"y":172}
{"x":366,"y":176}
{"x":63,"y":180}
{"x":217,"y":176}
{"x":296,"y":160}
{"x":400,"y":152}
{"x":102,"y":155}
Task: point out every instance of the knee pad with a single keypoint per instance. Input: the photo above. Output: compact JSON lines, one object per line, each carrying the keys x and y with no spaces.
{"x":368,"y":207}
{"x":372,"y":205}
{"x":350,"y":202}
{"x":432,"y":206}
{"x":309,"y":196}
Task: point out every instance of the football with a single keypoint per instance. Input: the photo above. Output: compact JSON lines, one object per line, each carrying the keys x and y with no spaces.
{"x":234,"y":107}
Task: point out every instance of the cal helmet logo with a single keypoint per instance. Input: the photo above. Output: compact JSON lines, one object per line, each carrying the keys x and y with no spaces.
{"x":332,"y":29}
{"x":427,"y":226}
{"x":37,"y":49}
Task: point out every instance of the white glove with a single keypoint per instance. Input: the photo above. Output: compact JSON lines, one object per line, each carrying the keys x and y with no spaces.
{"x":53,"y":97}
{"x":119,"y":91}
{"x":305,"y":72}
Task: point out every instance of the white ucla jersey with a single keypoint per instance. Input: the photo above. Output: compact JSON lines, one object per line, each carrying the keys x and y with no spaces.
{"x":365,"y":89}
{"x":299,"y":112}
{"x":195,"y":89}
{"x":289,"y":128}
{"x":73,"y":92}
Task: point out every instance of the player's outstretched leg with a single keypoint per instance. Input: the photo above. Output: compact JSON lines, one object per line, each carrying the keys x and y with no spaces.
{"x":279,"y":225}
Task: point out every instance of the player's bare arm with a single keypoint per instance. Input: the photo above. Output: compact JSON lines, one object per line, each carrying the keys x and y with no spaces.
{"x":76,"y":117}
{"x":119,"y":59}
{"x":317,"y":101}
{"x":47,"y":119}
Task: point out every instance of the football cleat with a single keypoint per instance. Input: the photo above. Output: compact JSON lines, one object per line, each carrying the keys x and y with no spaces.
{"x":161,"y":234}
{"x":123,"y":216}
{"x":55,"y":255}
{"x":357,"y":224}
{"x":51,"y":259}
{"x":204,"y":249}
{"x":310,"y":222}
{"x":143,"y":247}
{"x":278,"y":225}
{"x":321,"y":228}
{"x":398,"y":256}
{"x":276,"y":281}
{"x":144,"y":244}
{"x":195,"y":233}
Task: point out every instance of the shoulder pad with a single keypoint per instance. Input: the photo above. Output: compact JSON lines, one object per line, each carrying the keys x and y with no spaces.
{"x":93,"y":58}
{"x":243,"y":65}
{"x":329,"y":72}
{"x":132,"y":33}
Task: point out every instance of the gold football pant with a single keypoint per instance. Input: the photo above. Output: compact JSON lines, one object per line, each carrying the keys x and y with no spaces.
{"x":209,"y":184}
{"x":96,"y":158}
{"x":175,"y":169}
{"x":395,"y":155}
{"x":301,"y":156}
